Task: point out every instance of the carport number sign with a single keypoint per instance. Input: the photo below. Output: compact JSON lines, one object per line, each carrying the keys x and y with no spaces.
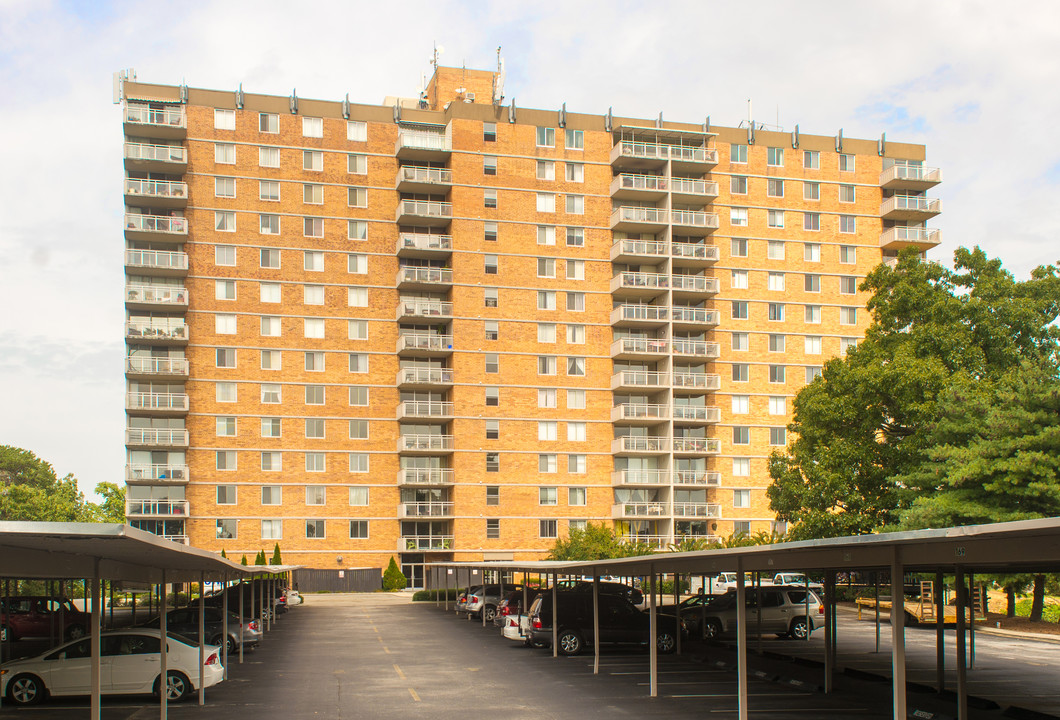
{"x":960,"y":551}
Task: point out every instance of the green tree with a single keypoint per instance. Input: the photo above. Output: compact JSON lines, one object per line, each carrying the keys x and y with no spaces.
{"x":243,"y":561}
{"x":223,"y":554}
{"x":276,"y":559}
{"x":596,"y":541}
{"x":30,"y":490}
{"x":393,"y":579}
{"x":866,"y":420}
{"x":112,"y":509}
{"x":260,"y":559}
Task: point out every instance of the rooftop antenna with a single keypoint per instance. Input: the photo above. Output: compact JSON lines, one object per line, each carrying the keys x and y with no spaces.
{"x":498,"y":79}
{"x":438,"y":50}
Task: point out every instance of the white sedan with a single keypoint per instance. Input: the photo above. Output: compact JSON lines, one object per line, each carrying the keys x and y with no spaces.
{"x":130,"y":664}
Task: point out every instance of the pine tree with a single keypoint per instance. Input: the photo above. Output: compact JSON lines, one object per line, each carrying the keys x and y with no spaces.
{"x":393,"y":580}
{"x":223,"y":554}
{"x":243,"y":561}
{"x":276,"y":559}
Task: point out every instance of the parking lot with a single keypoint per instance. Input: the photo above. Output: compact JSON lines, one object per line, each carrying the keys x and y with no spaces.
{"x":381,"y":656}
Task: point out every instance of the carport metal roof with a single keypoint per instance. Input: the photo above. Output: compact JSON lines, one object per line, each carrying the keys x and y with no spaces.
{"x":45,"y":550}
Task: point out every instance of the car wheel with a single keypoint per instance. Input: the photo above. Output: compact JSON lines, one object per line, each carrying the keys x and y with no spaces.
{"x":177,"y":687}
{"x":25,"y":690}
{"x":712,"y":629}
{"x":798,"y":629}
{"x":491,"y":612}
{"x":570,"y":642}
{"x":665,"y":642}
{"x":75,"y":632}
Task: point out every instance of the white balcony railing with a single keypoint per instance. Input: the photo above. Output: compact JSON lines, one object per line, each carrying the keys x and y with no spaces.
{"x":699,"y":381}
{"x":425,"y":241}
{"x":696,"y":413}
{"x":149,"y":365}
{"x":640,"y":346}
{"x":425,"y":376}
{"x":640,"y":477}
{"x":176,"y":402}
{"x":640,"y":411}
{"x":423,"y":140}
{"x":425,"y":208}
{"x":913,"y":203}
{"x":425,"y":542}
{"x":694,"y":218}
{"x":635,"y":312}
{"x":911,"y":235}
{"x":914,"y":173}
{"x":157,"y":329}
{"x":156,"y":259}
{"x":641,"y":280}
{"x":633,"y":214}
{"x":425,"y":476}
{"x":630,"y":181}
{"x":692,"y":509}
{"x":425,"y":308}
{"x":159,"y":153}
{"x":641,"y":443}
{"x":702,"y":446}
{"x":425,"y":342}
{"x":697,"y":477}
{"x":659,"y":542}
{"x":695,"y":251}
{"x":156,"y":507}
{"x":640,"y":509}
{"x":425,"y":408}
{"x":696,"y":348}
{"x":640,"y":378}
{"x":147,"y":471}
{"x":425,"y":275}
{"x":694,"y":283}
{"x":660,"y":151}
{"x":156,"y":223}
{"x":158,"y":437}
{"x":434,"y":176}
{"x":698,"y":316}
{"x":426,"y":509}
{"x":144,"y":115}
{"x":653,"y":248}
{"x":430,"y":443}
{"x":691,"y":186}
{"x":156,"y":295}
{"x":156,"y":188}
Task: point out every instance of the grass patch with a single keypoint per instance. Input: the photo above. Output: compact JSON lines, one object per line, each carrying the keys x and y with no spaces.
{"x":1050,"y":613}
{"x":431,"y":595}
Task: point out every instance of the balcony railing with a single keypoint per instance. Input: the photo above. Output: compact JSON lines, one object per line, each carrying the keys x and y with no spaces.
{"x":156,"y":437}
{"x":158,"y":329}
{"x":646,"y":215}
{"x":697,"y":316}
{"x":432,"y":176}
{"x":165,"y":402}
{"x":694,"y":283}
{"x":640,"y":477}
{"x":702,"y":446}
{"x":911,"y":173}
{"x":156,"y":188}
{"x":144,"y":115}
{"x":425,"y":208}
{"x":659,"y":542}
{"x":640,"y":280}
{"x":640,"y":411}
{"x":697,"y":414}
{"x":652,"y":248}
{"x":640,"y":346}
{"x":152,"y":472}
{"x":426,"y":343}
{"x":910,"y":236}
{"x":690,"y":186}
{"x":179,"y":539}
{"x":423,"y":140}
{"x":640,"y":509}
{"x":156,"y":507}
{"x":156,"y":260}
{"x":158,"y":153}
{"x":695,"y":251}
{"x":641,"y":443}
{"x":425,"y":542}
{"x":699,"y":381}
{"x":156,"y":224}
{"x":691,"y":509}
{"x":425,"y":376}
{"x":911,"y":204}
{"x":429,"y":443}
{"x":637,"y":312}
{"x":647,"y":183}
{"x":697,"y":477}
{"x":424,"y":409}
{"x":425,"y":476}
{"x":640,"y":378}
{"x":426,"y":509}
{"x":424,"y":276}
{"x":149,"y":365}
{"x":697,"y":348}
{"x":694,"y":218}
{"x":425,"y":308}
{"x":659,"y":151}
{"x":425,"y":242}
{"x":156,"y":295}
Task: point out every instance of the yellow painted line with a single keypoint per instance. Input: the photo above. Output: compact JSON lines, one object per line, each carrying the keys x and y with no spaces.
{"x":414,"y":695}
{"x":386,"y":649}
{"x":398,"y":671}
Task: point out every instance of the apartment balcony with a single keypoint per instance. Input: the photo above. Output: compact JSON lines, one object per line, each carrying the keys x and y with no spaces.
{"x":425,"y":477}
{"x":700,"y":478}
{"x":431,"y":311}
{"x":693,"y":414}
{"x":639,"y":413}
{"x":424,"y":245}
{"x":423,"y":180}
{"x":910,"y":177}
{"x":696,"y":348}
{"x":910,"y":208}
{"x":641,"y":445}
{"x":150,"y":438}
{"x":640,"y":478}
{"x":423,"y":145}
{"x":152,"y":474}
{"x":155,"y":297}
{"x":640,"y":380}
{"x":694,"y":222}
{"x":658,"y":542}
{"x":697,"y":285}
{"x":156,"y":508}
{"x":169,"y":123}
{"x":691,"y":190}
{"x":639,"y":284}
{"x":643,"y":155}
{"x":155,"y":227}
{"x":157,"y":403}
{"x":685,"y":254}
{"x":425,"y":444}
{"x":425,"y":510}
{"x":179,"y":539}
{"x":695,"y":381}
{"x":622,"y":511}
{"x":162,"y":263}
{"x":425,"y":345}
{"x":639,"y":251}
{"x":639,"y":219}
{"x":427,"y":213}
{"x":157,"y":332}
{"x":148,"y":367}
{"x":423,"y":278}
{"x":697,"y":510}
{"x":424,"y":378}
{"x":425,"y":409}
{"x":156,"y":193}
{"x":629,"y":186}
{"x":897,"y":238}
{"x":640,"y":315}
{"x":639,"y":349}
{"x":144,"y":157}
{"x":424,"y":543}
{"x":694,"y":318}
{"x":696,"y":446}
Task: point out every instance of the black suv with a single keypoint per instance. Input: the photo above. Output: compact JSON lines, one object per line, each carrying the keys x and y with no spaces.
{"x":620,"y":622}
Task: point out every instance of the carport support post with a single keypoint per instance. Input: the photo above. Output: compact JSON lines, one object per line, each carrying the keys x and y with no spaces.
{"x":447,"y":571}
{"x":971,"y":620}
{"x":253,"y":608}
{"x":829,"y":658}
{"x":224,"y":624}
{"x":653,"y":632}
{"x":482,"y":611}
{"x":596,"y":621}
{"x":876,"y":584}
{"x":163,"y":677}
{"x":962,"y":687}
{"x":741,"y":642}
{"x":940,"y":632}
{"x":758,"y":617}
{"x":202,"y":637}
{"x":241,"y":621}
{"x":898,"y":635}
{"x":677,"y":607}
{"x":93,"y":634}
{"x":555,"y":617}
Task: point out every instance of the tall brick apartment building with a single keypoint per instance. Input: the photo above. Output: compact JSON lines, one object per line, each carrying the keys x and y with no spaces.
{"x":448,"y":327}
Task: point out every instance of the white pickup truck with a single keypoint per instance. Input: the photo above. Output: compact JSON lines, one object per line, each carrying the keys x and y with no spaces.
{"x":726,"y":581}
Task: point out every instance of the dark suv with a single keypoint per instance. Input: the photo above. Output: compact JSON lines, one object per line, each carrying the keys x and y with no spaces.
{"x":620,"y":622}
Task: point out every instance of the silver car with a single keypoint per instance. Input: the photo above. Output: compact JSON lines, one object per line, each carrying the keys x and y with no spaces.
{"x":784,"y":611}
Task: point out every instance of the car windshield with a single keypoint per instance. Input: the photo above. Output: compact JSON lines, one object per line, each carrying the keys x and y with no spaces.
{"x":723,"y":602}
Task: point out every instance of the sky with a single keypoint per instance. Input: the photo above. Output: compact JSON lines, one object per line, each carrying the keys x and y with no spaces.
{"x":976,"y":82}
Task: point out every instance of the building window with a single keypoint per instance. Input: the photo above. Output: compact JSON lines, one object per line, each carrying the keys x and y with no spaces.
{"x":812,"y":345}
{"x":493,"y":363}
{"x":357,"y":230}
{"x":576,"y":464}
{"x":313,"y":260}
{"x":313,"y":294}
{"x":225,"y":358}
{"x":312,"y":127}
{"x":740,"y":372}
{"x":775,"y":281}
{"x":575,"y":399}
{"x":226,"y":528}
{"x":846,"y":345}
{"x":316,"y":495}
{"x":811,"y":191}
{"x":811,"y":160}
{"x":493,"y":429}
{"x":848,"y":254}
{"x":777,"y":373}
{"x":270,"y":394}
{"x":775,"y":218}
{"x":493,"y":495}
{"x":359,"y":429}
{"x":546,"y":202}
{"x":225,"y":459}
{"x":546,"y":397}
{"x":741,"y":404}
{"x":312,"y":194}
{"x":546,"y":463}
{"x":741,"y":498}
{"x":270,"y":427}
{"x":224,"y":154}
{"x":358,"y":462}
{"x":357,"y":164}
{"x":576,"y":204}
{"x":489,"y":264}
{"x":776,"y":312}
{"x":270,"y":326}
{"x":737,"y":153}
{"x":547,"y":430}
{"x":546,"y":235}
{"x":314,"y":428}
{"x":356,"y":131}
{"x":848,"y":285}
{"x":225,"y":426}
{"x":357,"y":329}
{"x":358,"y":362}
{"x":313,"y":227}
{"x":576,"y":496}
{"x":812,"y":283}
{"x":775,"y":157}
{"x":268,"y":123}
{"x":547,"y":529}
{"x":314,"y":394}
{"x":546,"y":137}
{"x":269,"y":292}
{"x":492,"y":330}
{"x":225,"y":392}
{"x":741,"y":435}
{"x":269,"y":190}
{"x":811,"y":252}
{"x":314,"y":529}
{"x":268,"y":224}
{"x":312,"y":160}
{"x":489,"y":164}
{"x":813,"y":314}
{"x":224,"y":187}
{"x":489,"y":198}
{"x":848,"y":316}
{"x":489,"y":132}
{"x":359,"y":496}
{"x":575,"y":269}
{"x":778,"y":405}
{"x":575,"y":172}
{"x":224,"y":221}
{"x":778,"y":436}
{"x":546,"y":300}
{"x":546,"y":332}
{"x":774,"y":188}
{"x":546,"y":170}
{"x":493,"y":462}
{"x":777,"y":343}
{"x":314,"y":462}
{"x":738,"y":247}
{"x":546,"y":267}
{"x":741,"y":467}
{"x":846,"y":193}
{"x":811,"y":221}
{"x":546,"y":365}
{"x":575,"y":237}
{"x":493,"y":529}
{"x":575,"y":301}
{"x":225,"y":324}
{"x":226,"y":494}
{"x":268,"y":157}
{"x":576,"y":431}
{"x":573,"y":139}
{"x":271,"y":494}
{"x":575,"y":334}
{"x":740,"y":341}
{"x":738,"y":184}
{"x":848,"y":224}
{"x":738,"y":217}
{"x":739,"y":309}
{"x":358,"y":529}
{"x":775,"y":250}
{"x":269,"y":258}
{"x":846,"y":163}
{"x":490,"y":297}
{"x":358,"y":396}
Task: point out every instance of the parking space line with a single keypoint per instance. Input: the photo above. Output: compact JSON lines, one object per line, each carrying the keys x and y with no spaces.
{"x":398,"y":671}
{"x":386,"y":649}
{"x":415,"y":697}
{"x":732,"y":695}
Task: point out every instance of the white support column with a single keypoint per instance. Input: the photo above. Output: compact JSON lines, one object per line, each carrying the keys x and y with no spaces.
{"x":829,"y":609}
{"x":555,"y":618}
{"x":202,"y":638}
{"x":898,"y":634}
{"x":596,"y":622}
{"x":242,"y":621}
{"x":653,"y":650}
{"x":677,"y":609}
{"x":163,"y":678}
{"x":962,"y":659}
{"x":224,"y":624}
{"x":94,"y":641}
{"x":741,"y":642}
{"x":940,"y":632}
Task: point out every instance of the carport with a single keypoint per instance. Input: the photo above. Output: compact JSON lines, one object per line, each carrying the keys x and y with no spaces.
{"x":1030,"y":546}
{"x":97,"y":552}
